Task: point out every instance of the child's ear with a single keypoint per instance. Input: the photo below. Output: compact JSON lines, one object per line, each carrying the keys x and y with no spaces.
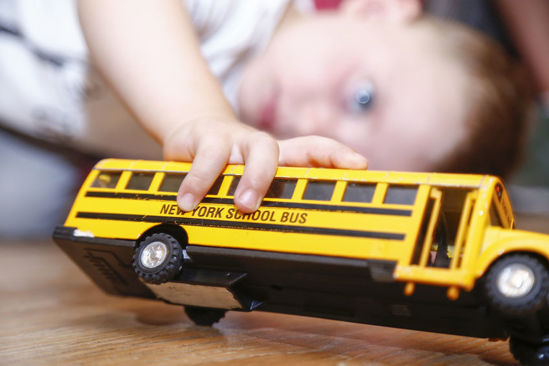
{"x":389,"y":10}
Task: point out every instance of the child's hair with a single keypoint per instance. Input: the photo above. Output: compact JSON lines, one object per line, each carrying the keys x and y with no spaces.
{"x":501,"y":97}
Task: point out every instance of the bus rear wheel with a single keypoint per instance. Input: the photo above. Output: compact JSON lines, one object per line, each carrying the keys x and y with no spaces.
{"x":204,"y":316}
{"x":158,"y":258}
{"x":517,"y":285}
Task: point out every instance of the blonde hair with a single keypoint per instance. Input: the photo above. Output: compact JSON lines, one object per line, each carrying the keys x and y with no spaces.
{"x":502,"y":103}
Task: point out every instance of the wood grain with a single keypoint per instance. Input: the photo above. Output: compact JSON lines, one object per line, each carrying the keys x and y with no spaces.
{"x":51,"y":314}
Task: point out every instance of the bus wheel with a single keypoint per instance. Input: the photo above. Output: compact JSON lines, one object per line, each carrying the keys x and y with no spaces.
{"x":517,"y":284}
{"x":528,"y":353}
{"x":158,"y":258}
{"x":204,"y":316}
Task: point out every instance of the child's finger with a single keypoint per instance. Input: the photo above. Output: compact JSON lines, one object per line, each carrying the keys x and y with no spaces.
{"x":319,"y":151}
{"x":210,"y":159}
{"x":261,"y":159}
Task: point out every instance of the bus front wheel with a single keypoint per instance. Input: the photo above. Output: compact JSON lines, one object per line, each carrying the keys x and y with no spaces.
{"x":158,"y":258}
{"x":517,"y":284}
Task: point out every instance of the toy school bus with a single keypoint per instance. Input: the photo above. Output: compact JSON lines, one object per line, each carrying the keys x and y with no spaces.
{"x":426,"y":251}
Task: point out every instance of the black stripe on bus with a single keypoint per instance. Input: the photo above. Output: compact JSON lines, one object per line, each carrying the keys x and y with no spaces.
{"x":241,"y":225}
{"x":132,"y":196}
{"x":229,"y":201}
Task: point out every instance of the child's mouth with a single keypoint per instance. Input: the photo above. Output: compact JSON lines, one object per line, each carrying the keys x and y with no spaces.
{"x":268,"y":113}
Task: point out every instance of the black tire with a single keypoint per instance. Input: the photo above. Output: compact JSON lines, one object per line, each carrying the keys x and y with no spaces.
{"x":528,"y":353}
{"x":204,"y":316}
{"x":519,"y":305}
{"x":165,"y":270}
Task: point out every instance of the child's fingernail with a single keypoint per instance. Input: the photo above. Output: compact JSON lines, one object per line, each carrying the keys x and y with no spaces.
{"x":359,"y":159}
{"x":250,"y":200}
{"x":187,"y":202}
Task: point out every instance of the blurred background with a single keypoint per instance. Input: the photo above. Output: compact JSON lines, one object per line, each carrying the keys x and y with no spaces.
{"x":529,"y":186}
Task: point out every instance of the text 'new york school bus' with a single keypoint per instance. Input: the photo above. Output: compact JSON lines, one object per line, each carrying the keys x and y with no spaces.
{"x":426,"y":251}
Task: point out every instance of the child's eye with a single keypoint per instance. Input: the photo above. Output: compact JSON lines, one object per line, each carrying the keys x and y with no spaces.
{"x":362,"y":98}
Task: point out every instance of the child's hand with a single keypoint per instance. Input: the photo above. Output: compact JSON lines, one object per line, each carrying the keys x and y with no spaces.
{"x":161,"y":75}
{"x":213,"y":142}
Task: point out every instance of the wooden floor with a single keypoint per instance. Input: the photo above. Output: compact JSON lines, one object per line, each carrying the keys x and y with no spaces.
{"x":51,"y":314}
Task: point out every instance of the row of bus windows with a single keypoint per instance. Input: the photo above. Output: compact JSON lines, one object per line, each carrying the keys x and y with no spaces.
{"x":280,"y":188}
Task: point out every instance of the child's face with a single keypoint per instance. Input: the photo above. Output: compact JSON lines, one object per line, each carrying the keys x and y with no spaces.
{"x":379,"y":87}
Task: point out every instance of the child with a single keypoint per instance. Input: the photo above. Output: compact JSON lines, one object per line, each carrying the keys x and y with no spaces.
{"x":205,"y":78}
{"x":373,"y":75}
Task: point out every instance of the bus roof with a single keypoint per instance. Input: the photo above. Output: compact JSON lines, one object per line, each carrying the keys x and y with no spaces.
{"x":394,"y":177}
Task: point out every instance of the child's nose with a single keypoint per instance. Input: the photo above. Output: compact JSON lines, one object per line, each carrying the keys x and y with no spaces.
{"x":316,"y":118}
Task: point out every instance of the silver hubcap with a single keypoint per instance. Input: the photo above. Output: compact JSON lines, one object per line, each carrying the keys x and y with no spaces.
{"x":516,"y":280}
{"x":154,"y":254}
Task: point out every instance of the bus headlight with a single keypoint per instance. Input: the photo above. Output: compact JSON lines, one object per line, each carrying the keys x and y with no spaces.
{"x":154,"y":254}
{"x":516,"y":280}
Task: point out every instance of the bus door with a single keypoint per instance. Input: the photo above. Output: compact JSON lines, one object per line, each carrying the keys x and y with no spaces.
{"x":441,"y":242}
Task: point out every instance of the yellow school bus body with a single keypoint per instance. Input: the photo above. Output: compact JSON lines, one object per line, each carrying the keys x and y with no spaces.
{"x":483,"y":242}
{"x":426,"y":251}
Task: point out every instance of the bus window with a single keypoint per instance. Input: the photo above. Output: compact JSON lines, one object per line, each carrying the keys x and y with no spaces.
{"x":106,"y":180}
{"x":171,"y":182}
{"x":215,"y":187}
{"x":401,"y":195}
{"x":319,"y":190}
{"x":281,"y":188}
{"x":140,"y":181}
{"x":233,"y":186}
{"x":495,"y":220}
{"x":359,"y":192}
